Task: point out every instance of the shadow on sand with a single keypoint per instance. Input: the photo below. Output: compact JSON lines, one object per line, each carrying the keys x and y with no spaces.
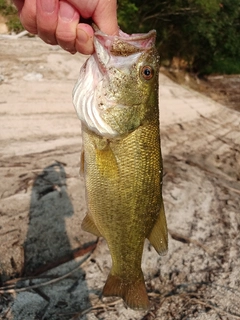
{"x":47,"y":247}
{"x":47,"y":239}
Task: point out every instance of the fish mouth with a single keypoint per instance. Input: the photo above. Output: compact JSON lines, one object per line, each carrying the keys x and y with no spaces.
{"x":112,"y":53}
{"x":124,"y":44}
{"x":114,"y":47}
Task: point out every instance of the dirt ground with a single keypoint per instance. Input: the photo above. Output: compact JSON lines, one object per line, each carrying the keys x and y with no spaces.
{"x":51,"y":269}
{"x":221,"y":88}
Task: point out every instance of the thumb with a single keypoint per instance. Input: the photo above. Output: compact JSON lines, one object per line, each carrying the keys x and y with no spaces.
{"x":105,"y":16}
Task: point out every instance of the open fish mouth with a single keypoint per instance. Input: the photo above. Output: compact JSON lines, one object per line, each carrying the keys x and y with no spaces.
{"x":109,"y":48}
{"x":85,"y":100}
{"x":124,"y":44}
{"x":91,"y":97}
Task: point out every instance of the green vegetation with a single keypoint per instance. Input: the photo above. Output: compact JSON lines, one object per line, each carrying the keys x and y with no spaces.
{"x":10,"y":12}
{"x":204,"y":33}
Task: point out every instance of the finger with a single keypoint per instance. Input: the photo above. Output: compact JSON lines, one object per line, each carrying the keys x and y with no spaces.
{"x":27,"y":15}
{"x":68,"y":19}
{"x":47,"y":18}
{"x":84,"y":39}
{"x":103,"y":13}
{"x":18,"y":4}
{"x":105,"y":17}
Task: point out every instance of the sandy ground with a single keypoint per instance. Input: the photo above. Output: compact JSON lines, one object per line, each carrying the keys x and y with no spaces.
{"x":50,"y":268}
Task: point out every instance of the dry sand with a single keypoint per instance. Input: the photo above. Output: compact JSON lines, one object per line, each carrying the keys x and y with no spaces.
{"x":42,"y":200}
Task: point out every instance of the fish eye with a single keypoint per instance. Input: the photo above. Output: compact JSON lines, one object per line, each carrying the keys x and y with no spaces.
{"x":147,"y":72}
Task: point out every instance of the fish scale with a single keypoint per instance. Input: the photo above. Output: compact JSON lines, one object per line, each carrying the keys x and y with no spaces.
{"x":123,"y":165}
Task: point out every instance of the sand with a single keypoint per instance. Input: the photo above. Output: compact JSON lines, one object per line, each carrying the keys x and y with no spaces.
{"x":42,"y":200}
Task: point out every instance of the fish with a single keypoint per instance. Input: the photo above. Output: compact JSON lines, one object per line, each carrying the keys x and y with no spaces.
{"x":116,"y":99}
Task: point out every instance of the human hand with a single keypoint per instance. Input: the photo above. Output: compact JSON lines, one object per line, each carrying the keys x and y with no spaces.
{"x":57,"y":21}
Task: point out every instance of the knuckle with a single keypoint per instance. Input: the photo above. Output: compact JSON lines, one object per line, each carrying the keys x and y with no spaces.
{"x":29,"y":24}
{"x":65,"y":35}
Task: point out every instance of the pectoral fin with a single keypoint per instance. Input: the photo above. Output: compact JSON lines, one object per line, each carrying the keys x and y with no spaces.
{"x":89,"y":226}
{"x":107,"y":162}
{"x":159,"y":234}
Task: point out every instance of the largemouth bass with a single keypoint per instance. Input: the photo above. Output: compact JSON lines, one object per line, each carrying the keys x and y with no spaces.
{"x":116,"y":99}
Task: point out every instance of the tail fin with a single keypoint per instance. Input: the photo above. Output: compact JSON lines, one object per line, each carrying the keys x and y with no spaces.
{"x":133,"y":293}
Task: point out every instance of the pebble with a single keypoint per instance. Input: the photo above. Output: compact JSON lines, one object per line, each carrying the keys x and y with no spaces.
{"x":33,"y":76}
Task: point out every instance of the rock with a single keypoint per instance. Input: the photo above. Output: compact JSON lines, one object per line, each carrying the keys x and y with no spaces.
{"x":33,"y":76}
{"x":3,"y":28}
{"x":3,"y":25}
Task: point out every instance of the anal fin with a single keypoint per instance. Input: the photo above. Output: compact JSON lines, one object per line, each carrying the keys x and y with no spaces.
{"x":159,"y":234}
{"x":89,"y":226}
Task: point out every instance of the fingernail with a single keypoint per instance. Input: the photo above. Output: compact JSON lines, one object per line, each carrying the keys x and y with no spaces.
{"x":48,"y":6}
{"x":84,"y":41}
{"x":82,"y":36}
{"x":66,"y":12}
